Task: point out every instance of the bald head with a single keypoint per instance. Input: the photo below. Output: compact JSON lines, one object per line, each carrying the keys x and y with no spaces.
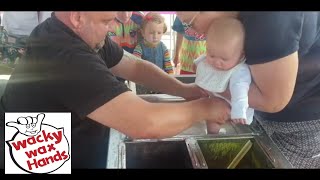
{"x":73,"y":18}
{"x":225,"y":43}
{"x":92,"y":27}
{"x":227,"y":31}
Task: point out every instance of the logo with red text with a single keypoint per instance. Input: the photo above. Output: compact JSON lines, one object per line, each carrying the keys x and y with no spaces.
{"x":38,"y":143}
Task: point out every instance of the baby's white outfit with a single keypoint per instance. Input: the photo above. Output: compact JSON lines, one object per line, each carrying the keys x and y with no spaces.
{"x":216,"y":81}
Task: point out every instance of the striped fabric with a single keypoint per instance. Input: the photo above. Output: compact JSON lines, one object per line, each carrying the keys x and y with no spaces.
{"x":167,"y":62}
{"x":190,"y":50}
{"x":126,"y":34}
{"x":158,"y":55}
{"x":138,"y":51}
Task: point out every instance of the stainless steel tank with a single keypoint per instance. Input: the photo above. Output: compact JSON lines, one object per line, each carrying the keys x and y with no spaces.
{"x":240,"y":147}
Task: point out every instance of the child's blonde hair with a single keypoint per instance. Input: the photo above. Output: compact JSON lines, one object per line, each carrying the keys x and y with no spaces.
{"x":154,"y":17}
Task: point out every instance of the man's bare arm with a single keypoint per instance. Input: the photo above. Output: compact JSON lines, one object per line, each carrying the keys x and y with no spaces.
{"x":143,"y":72}
{"x":137,"y":118}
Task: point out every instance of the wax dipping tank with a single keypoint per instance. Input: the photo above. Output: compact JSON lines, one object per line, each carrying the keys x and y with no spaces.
{"x":202,"y":152}
{"x":240,"y":147}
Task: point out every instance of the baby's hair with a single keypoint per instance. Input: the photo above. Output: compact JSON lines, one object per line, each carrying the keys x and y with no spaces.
{"x":154,"y":17}
{"x":227,"y":30}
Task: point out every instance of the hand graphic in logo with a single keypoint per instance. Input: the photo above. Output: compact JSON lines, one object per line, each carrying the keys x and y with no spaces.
{"x":29,"y":126}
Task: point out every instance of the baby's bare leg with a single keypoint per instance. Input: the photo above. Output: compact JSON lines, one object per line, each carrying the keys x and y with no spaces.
{"x":212,"y":128}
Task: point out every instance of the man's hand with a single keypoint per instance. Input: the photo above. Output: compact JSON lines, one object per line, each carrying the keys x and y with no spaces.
{"x":192,"y":91}
{"x":218,"y":110}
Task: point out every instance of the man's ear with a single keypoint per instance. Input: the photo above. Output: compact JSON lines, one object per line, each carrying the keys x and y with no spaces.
{"x":75,"y":19}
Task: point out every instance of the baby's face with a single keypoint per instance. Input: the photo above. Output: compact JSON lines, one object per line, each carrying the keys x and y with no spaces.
{"x":223,"y":58}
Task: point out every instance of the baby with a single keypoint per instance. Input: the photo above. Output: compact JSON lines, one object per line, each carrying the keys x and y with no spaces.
{"x":224,"y":66}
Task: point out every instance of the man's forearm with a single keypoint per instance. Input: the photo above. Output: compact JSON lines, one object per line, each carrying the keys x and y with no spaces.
{"x":156,"y":78}
{"x":168,"y":119}
{"x":157,"y":120}
{"x":183,"y":116}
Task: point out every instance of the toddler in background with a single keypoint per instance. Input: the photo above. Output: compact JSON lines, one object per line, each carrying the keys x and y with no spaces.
{"x":151,"y":48}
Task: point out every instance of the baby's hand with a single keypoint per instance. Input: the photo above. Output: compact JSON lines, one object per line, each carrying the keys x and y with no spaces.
{"x":239,"y":121}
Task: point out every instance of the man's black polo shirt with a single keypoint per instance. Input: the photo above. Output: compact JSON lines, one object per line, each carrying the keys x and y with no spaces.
{"x":61,"y":73}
